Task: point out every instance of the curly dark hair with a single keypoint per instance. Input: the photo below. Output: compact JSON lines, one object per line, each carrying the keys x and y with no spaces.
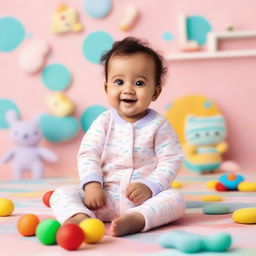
{"x":131,"y":45}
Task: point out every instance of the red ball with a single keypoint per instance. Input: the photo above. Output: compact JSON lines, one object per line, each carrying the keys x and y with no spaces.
{"x":220,"y":187}
{"x":46,"y":198}
{"x":70,"y":236}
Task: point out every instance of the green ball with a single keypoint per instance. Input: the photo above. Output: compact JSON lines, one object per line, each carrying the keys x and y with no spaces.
{"x":46,"y":231}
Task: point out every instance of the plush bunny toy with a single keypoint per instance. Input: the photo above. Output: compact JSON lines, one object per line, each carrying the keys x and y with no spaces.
{"x":27,"y":156}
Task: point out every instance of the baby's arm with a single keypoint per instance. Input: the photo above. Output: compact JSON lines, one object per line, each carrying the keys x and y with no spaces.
{"x":94,"y":196}
{"x":89,"y":162}
{"x":138,"y":192}
{"x":7,"y":157}
{"x":169,"y":159}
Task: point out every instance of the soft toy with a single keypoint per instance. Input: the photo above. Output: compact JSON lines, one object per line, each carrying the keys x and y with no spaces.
{"x":59,"y":104}
{"x":205,"y":142}
{"x":65,"y":20}
{"x":32,"y":58}
{"x":27,"y":156}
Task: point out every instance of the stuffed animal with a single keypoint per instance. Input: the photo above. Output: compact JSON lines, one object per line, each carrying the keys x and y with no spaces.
{"x":205,"y":142}
{"x":26,"y":155}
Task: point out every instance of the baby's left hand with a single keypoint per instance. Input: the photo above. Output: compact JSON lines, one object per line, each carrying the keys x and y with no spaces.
{"x":138,"y":192}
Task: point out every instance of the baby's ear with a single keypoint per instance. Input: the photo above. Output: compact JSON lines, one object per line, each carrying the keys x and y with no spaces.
{"x":12,"y":117}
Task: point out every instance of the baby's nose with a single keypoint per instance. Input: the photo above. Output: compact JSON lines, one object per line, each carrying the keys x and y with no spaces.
{"x":129,"y":88}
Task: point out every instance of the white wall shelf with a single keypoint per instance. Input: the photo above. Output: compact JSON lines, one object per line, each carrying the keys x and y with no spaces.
{"x":213,"y":52}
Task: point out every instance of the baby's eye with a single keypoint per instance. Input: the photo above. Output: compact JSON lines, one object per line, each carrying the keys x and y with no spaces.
{"x":139,"y":83}
{"x":119,"y":82}
{"x":217,"y":133}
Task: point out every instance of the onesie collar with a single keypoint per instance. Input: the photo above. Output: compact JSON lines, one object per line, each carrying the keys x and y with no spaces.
{"x":147,"y":118}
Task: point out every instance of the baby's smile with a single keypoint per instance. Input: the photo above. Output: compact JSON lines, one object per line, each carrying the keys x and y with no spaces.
{"x":128,"y":100}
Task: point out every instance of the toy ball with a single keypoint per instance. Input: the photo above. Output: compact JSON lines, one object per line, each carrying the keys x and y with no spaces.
{"x":70,"y":236}
{"x":46,"y":231}
{"x":94,"y":230}
{"x":6,"y":207}
{"x":46,"y":198}
{"x":231,"y":181}
{"x":27,"y":224}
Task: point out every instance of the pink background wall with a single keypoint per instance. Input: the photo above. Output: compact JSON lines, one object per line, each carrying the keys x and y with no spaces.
{"x":230,"y":82}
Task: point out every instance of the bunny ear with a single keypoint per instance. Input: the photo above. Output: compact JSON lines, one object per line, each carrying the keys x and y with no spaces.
{"x":11,"y":117}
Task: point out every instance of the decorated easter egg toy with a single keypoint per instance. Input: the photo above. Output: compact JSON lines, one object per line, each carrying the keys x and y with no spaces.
{"x":27,"y":224}
{"x":46,"y":231}
{"x":6,"y":207}
{"x":246,"y":186}
{"x":70,"y":236}
{"x":245,"y":215}
{"x":46,"y":198}
{"x":94,"y":230}
{"x":176,"y":184}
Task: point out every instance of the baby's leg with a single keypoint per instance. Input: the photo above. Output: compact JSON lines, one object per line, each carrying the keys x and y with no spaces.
{"x":67,"y":205}
{"x":161,"y":209}
{"x":128,"y":223}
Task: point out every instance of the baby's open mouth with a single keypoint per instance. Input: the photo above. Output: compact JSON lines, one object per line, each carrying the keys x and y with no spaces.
{"x":128,"y":100}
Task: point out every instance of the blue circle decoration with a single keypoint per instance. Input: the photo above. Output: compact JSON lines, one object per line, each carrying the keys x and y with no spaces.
{"x":5,"y":105}
{"x":56,"y":77}
{"x":12,"y":33}
{"x":197,"y":29}
{"x":90,"y":114}
{"x":95,"y":44}
{"x":167,"y":36}
{"x":207,"y":104}
{"x":97,"y":8}
{"x":59,"y":129}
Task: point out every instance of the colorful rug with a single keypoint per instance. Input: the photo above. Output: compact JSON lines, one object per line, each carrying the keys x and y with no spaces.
{"x":27,"y":197}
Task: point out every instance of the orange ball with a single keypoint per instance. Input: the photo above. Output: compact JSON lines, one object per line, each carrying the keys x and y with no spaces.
{"x":46,"y":198}
{"x":27,"y":224}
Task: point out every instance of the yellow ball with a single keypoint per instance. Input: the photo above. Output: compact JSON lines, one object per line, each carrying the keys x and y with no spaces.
{"x":6,"y":207}
{"x":94,"y":230}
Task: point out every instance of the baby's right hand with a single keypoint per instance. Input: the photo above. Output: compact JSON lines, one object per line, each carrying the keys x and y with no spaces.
{"x":94,"y":196}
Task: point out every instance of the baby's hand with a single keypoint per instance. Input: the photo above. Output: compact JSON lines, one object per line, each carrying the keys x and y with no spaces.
{"x":94,"y":196}
{"x":138,"y":192}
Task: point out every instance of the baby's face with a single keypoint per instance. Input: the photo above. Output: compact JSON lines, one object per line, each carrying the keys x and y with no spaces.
{"x":131,"y":85}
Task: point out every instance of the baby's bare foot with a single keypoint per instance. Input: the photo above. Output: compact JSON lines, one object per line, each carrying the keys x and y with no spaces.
{"x":76,"y":219}
{"x":127,"y":224}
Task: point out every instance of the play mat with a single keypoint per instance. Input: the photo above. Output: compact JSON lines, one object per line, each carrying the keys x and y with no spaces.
{"x":27,"y":197}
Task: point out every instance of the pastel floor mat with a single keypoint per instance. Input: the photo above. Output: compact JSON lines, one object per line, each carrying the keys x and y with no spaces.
{"x":27,"y":197}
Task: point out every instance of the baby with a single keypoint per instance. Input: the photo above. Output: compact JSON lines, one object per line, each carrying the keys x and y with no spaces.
{"x":130,"y":154}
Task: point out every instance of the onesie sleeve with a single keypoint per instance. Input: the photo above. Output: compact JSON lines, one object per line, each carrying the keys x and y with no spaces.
{"x":169,"y":159}
{"x":91,"y":148}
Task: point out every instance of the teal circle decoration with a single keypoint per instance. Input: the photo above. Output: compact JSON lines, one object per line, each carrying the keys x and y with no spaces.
{"x":12,"y":33}
{"x":6,"y":105}
{"x":95,"y":44}
{"x":167,"y":36}
{"x":59,"y":129}
{"x":56,"y":77}
{"x":90,"y":114}
{"x":97,"y":8}
{"x":197,"y":29}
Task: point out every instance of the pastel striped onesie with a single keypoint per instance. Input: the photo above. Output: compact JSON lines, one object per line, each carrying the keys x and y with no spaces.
{"x":115,"y":153}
